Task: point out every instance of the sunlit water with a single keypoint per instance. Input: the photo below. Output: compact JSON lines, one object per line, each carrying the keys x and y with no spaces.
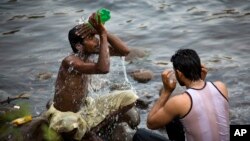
{"x":33,"y":39}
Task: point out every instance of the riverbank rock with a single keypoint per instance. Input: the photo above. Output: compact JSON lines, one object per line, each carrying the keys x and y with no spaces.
{"x":122,"y":132}
{"x":119,"y":86}
{"x":44,"y":75}
{"x":142,"y":104}
{"x":135,"y":54}
{"x":31,"y":131}
{"x":142,"y":76}
{"x":132,"y":117}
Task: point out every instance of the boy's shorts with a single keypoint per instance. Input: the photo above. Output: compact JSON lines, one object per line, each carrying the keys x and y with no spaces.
{"x":91,"y":114}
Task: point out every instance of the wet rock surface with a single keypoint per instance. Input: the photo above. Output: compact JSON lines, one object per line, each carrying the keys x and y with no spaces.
{"x":44,"y":75}
{"x":135,"y":54}
{"x":142,"y":75}
{"x":131,"y":117}
{"x":122,"y":132}
{"x":142,"y":103}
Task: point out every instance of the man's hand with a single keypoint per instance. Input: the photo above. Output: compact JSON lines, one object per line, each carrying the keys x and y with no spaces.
{"x":85,"y":30}
{"x":96,"y":24}
{"x":203,"y":71}
{"x":97,"y":28}
{"x":169,"y":80}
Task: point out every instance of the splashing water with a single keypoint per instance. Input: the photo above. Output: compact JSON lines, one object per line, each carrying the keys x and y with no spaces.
{"x":83,"y":19}
{"x":124,"y":69}
{"x":97,"y":81}
{"x":125,"y":74}
{"x":116,"y":79}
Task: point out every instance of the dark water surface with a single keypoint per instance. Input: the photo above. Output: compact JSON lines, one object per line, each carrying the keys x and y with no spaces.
{"x":33,"y":40}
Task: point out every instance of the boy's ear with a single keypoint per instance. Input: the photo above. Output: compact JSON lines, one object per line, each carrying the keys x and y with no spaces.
{"x":79,"y":46}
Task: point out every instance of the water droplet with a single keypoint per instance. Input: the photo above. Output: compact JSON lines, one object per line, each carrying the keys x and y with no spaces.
{"x":9,"y":136}
{"x":70,"y":69}
{"x":16,"y":107}
{"x":116,"y":118}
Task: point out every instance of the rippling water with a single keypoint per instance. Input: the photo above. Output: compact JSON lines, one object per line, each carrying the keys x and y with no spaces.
{"x":33,"y":39}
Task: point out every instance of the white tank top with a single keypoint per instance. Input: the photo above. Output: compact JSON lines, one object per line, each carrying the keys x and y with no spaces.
{"x":208,"y":117}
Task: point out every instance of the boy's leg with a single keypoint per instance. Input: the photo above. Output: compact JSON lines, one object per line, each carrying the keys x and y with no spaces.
{"x":113,"y":104}
{"x":110,"y":118}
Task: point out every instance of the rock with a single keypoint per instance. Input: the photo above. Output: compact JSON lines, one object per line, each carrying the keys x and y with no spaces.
{"x":148,"y":96}
{"x":142,"y":76}
{"x":119,"y":86}
{"x":135,"y":54}
{"x":161,"y":63}
{"x":122,"y":132}
{"x":44,"y":75}
{"x":142,"y":104}
{"x":11,"y":32}
{"x":132,"y":117}
{"x":31,"y":131}
{"x":142,"y":26}
{"x":128,"y":21}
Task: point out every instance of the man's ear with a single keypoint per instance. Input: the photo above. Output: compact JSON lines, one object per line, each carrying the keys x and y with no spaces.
{"x":179,"y":73}
{"x":79,"y":46}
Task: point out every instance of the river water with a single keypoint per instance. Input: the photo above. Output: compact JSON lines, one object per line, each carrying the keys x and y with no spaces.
{"x":33,"y":40}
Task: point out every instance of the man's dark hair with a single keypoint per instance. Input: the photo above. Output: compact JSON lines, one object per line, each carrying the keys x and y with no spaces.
{"x":188,"y":62}
{"x":74,"y":39}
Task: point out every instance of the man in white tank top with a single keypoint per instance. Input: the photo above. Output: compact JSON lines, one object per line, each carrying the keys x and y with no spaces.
{"x":203,"y":108}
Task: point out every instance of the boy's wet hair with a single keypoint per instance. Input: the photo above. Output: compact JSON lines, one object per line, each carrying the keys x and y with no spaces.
{"x":74,"y":39}
{"x":188,"y":62}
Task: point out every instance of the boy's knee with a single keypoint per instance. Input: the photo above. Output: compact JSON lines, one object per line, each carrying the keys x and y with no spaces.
{"x":129,"y":97}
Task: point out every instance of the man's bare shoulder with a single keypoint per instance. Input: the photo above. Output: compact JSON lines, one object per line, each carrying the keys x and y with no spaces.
{"x":180,"y":95}
{"x":71,"y":57}
{"x":70,"y":60}
{"x":222,"y":88}
{"x":181,"y":103}
{"x":219,"y":84}
{"x":180,"y":98}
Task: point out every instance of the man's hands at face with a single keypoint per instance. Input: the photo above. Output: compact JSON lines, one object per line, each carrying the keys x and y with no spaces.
{"x":169,"y":80}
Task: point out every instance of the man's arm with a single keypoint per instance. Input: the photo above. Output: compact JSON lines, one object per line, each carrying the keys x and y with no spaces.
{"x":118,"y":47}
{"x":163,"y":110}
